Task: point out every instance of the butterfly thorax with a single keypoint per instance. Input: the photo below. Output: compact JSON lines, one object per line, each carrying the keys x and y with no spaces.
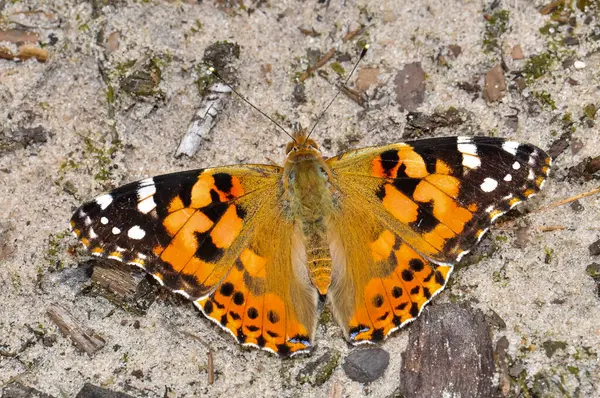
{"x":309,"y":196}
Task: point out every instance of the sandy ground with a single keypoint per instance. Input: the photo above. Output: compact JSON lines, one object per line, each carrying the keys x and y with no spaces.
{"x":534,"y":281}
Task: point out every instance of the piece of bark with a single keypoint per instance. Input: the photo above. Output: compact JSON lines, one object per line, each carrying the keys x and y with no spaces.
{"x":121,"y":286}
{"x":204,"y":119}
{"x":85,"y":339}
{"x":449,"y":353}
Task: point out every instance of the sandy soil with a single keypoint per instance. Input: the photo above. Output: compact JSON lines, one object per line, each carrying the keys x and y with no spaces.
{"x":535,"y":281}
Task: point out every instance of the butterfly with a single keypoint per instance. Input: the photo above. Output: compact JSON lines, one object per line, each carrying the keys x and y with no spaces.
{"x":260,"y":249}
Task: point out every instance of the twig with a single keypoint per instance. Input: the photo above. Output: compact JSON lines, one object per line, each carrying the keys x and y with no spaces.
{"x":86,"y":340}
{"x":211,"y":368}
{"x":567,"y":200}
{"x":326,"y":57}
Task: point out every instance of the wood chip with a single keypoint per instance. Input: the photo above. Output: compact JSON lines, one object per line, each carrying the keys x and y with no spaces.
{"x":352,"y":34}
{"x":19,"y":36}
{"x":85,"y":339}
{"x":495,"y":86}
{"x":547,"y":9}
{"x":112,"y":42}
{"x":449,"y":353}
{"x":410,"y":86}
{"x":517,"y":52}
{"x":24,"y":52}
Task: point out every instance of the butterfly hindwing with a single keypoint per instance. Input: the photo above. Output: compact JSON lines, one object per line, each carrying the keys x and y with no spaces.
{"x":419,"y":206}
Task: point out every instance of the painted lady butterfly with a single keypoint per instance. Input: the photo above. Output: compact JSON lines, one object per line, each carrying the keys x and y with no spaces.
{"x":259,"y":248}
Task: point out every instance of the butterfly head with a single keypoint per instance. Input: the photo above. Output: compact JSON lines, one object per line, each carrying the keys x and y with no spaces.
{"x":302,"y":145}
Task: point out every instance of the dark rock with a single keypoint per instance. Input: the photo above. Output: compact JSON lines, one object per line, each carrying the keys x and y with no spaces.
{"x":471,"y":88}
{"x":317,"y":372}
{"x":577,"y":207}
{"x":560,"y":145}
{"x":449,"y":353}
{"x":299,"y":95}
{"x":593,"y":270}
{"x":594,"y":248}
{"x":366,"y":365}
{"x":585,"y":170}
{"x":571,"y":41}
{"x":92,"y":391}
{"x":18,"y":390}
{"x":222,"y":56}
{"x":33,"y":135}
{"x":410,"y":86}
{"x":138,"y":374}
{"x":551,"y":347}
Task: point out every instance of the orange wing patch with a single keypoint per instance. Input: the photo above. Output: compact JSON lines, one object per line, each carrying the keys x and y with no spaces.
{"x":389,"y":301}
{"x":247,"y":306}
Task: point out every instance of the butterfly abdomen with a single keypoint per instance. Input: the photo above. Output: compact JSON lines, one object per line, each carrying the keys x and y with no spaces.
{"x":308,"y":191}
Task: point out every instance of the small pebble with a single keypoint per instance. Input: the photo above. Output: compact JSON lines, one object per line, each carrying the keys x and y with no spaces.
{"x":594,"y":248}
{"x":579,"y":64}
{"x":366,"y":365}
{"x":577,"y":207}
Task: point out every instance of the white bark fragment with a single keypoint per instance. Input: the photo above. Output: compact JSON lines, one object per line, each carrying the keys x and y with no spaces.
{"x":204,"y":119}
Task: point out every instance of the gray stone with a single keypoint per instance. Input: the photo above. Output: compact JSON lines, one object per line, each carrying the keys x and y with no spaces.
{"x":366,"y":365}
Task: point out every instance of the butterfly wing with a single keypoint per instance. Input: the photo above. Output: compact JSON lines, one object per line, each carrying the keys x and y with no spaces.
{"x":219,"y":237}
{"x":419,"y":207}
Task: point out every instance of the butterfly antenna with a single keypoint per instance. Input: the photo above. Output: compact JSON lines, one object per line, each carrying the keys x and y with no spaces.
{"x":362,"y":55}
{"x":212,"y":71}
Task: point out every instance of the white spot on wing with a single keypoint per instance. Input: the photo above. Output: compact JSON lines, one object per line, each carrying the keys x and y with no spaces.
{"x":511,"y":147}
{"x":471,"y":162}
{"x":87,"y":221}
{"x":146,"y":205}
{"x":463,"y":140}
{"x":516,"y":165}
{"x":92,"y":233}
{"x":470,"y":149}
{"x":146,"y":190}
{"x":116,"y":231}
{"x":104,"y":220}
{"x":488,"y":185}
{"x":104,"y":200}
{"x":136,"y":232}
{"x":508,"y":178}
{"x":531,"y":174}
